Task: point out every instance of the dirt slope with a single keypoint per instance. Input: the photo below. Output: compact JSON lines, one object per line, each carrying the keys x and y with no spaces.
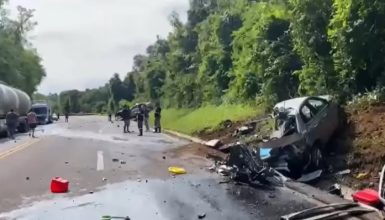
{"x":367,"y":133}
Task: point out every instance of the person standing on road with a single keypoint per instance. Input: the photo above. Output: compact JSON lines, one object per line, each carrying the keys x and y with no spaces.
{"x":139,"y":119}
{"x":66,"y":115}
{"x":110,"y":117}
{"x":157,"y":114}
{"x":11,"y":120}
{"x":32,"y":122}
{"x":146,"y":116}
{"x":126,"y":116}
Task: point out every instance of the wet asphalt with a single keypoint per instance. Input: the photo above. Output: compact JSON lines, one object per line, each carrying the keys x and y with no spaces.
{"x":118,"y":174}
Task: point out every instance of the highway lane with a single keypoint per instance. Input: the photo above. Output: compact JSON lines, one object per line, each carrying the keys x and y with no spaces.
{"x":83,"y":150}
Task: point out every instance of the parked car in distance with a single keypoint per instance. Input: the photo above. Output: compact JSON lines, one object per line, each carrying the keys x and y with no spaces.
{"x":303,"y":126}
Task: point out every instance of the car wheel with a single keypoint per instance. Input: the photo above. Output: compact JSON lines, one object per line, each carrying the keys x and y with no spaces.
{"x":316,"y":157}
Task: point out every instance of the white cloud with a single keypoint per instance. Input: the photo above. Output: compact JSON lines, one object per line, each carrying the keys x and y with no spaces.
{"x":83,"y":42}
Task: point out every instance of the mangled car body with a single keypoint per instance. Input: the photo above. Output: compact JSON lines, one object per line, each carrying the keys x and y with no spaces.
{"x":303,"y":126}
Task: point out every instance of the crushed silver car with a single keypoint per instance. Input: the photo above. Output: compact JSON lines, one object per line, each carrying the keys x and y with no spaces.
{"x":303,"y":127}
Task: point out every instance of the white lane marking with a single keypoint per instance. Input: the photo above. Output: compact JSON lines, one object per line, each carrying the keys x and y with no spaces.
{"x":100,"y":161}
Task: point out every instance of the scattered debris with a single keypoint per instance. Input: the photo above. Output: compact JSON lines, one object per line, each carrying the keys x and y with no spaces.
{"x":248,"y":167}
{"x":224,"y":182}
{"x":271,"y":196}
{"x":104,"y":179}
{"x":226,"y":148}
{"x":122,"y":162}
{"x":202,"y":216}
{"x":27,"y":178}
{"x":362,"y":176}
{"x":139,"y":180}
{"x":59,"y":185}
{"x":310,"y":176}
{"x":213,"y":143}
{"x":91,"y":192}
{"x":66,"y":162}
{"x":107,"y":217}
{"x":227,"y":123}
{"x":225,"y":170}
{"x":177,"y":170}
{"x":344,"y":172}
{"x":164,"y":157}
{"x":212,"y":168}
{"x":115,"y":160}
{"x":335,"y":189}
{"x":146,"y":181}
{"x":244,"y":130}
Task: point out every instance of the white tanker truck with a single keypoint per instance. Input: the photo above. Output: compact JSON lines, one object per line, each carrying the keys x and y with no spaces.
{"x":19,"y":101}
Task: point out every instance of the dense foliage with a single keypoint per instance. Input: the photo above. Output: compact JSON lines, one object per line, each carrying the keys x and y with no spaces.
{"x":231,"y":51}
{"x":240,"y":50}
{"x":20,"y":65}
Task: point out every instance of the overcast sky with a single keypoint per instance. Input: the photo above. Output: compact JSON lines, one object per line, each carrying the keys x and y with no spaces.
{"x":83,"y":42}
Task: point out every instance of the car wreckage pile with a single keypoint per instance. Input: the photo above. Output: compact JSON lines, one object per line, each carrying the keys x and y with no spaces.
{"x":302,"y":128}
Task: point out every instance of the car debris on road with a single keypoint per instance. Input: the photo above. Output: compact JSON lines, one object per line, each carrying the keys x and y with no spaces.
{"x":177,"y":170}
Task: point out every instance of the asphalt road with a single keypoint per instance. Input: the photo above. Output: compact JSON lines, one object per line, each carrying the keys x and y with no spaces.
{"x":140,"y":187}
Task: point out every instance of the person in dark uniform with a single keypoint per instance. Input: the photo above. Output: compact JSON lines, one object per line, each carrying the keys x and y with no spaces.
{"x":157,"y":114}
{"x":110,"y":117}
{"x":11,"y":120}
{"x":140,"y":119}
{"x":126,"y":116}
{"x":146,"y":117}
{"x":66,"y":115}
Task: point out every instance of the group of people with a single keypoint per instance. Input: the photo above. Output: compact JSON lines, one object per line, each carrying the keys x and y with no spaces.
{"x":142,"y":117}
{"x":12,"y":121}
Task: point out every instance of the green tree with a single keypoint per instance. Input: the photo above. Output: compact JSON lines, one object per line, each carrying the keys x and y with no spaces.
{"x":309,"y":30}
{"x":67,"y":105}
{"x":20,"y":65}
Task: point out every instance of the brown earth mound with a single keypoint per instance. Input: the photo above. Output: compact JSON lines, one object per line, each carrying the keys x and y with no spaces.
{"x":367,"y":130}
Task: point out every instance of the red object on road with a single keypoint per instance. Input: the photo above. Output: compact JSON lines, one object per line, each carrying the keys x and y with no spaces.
{"x":367,"y":196}
{"x":59,"y":185}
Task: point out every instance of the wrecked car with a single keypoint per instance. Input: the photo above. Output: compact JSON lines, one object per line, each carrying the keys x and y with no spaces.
{"x":302,"y":128}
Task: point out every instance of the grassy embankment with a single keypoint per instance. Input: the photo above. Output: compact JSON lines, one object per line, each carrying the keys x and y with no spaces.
{"x":190,"y":121}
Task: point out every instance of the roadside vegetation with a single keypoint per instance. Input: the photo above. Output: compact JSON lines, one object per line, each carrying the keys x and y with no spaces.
{"x":191,"y":121}
{"x":242,"y":51}
{"x":20,"y":65}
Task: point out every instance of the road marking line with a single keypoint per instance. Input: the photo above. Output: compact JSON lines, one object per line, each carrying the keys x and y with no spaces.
{"x":100,"y":161}
{"x":17,"y":148}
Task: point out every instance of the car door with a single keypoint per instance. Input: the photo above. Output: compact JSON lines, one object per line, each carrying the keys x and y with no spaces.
{"x":322,"y":119}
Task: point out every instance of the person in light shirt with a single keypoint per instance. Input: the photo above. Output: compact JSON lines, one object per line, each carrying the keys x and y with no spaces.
{"x":32,"y":122}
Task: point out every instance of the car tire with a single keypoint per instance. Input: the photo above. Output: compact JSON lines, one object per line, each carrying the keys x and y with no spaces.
{"x":316,"y":157}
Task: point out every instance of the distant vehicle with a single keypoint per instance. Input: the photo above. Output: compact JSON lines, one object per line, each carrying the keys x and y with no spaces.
{"x":303,"y":126}
{"x":19,"y":101}
{"x":43,"y":112}
{"x":55,"y":117}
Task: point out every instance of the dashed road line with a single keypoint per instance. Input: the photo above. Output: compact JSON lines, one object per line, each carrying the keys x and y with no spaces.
{"x":100,"y":161}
